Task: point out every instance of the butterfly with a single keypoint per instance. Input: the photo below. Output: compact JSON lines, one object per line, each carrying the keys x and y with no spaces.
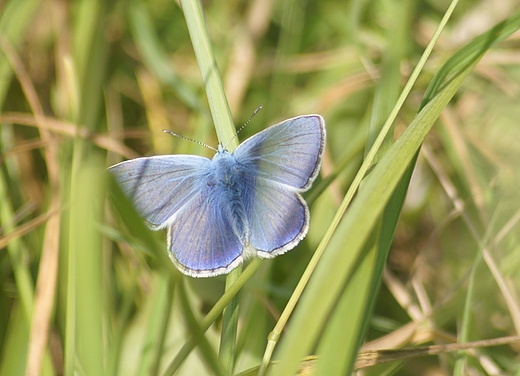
{"x":221,"y":211}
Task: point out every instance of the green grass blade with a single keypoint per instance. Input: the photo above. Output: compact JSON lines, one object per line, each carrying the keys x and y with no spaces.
{"x":86,"y":213}
{"x":224,"y":126}
{"x":17,"y":251}
{"x":346,"y":245}
{"x":14,"y":19}
{"x":338,"y":347}
{"x":90,"y":56}
{"x":210,"y":74}
{"x":13,"y":357}
{"x":215,"y":312}
{"x":343,"y":333}
{"x":207,"y":352}
{"x":466,"y":55}
{"x":157,"y":323}
{"x":227,"y":351}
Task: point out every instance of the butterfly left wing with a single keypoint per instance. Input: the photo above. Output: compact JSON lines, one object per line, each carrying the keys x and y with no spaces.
{"x":206,"y":238}
{"x":160,"y":186}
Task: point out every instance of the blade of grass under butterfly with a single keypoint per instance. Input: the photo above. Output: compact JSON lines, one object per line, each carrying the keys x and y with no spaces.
{"x":208,"y":354}
{"x":225,"y":131}
{"x":160,"y":299}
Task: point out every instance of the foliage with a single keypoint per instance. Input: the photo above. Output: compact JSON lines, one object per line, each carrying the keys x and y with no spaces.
{"x":392,"y":259}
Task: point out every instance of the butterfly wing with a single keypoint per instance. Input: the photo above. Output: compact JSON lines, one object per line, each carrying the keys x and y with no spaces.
{"x":205,"y":238}
{"x":160,"y":186}
{"x":278,"y":219}
{"x":288,"y":153}
{"x":177,"y":191}
{"x":284,"y":159}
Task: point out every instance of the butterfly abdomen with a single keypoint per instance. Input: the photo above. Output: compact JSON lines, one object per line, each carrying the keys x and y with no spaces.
{"x":229,"y":180}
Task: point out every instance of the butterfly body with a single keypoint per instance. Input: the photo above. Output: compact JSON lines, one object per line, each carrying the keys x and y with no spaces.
{"x":219,"y":211}
{"x":230,"y":184}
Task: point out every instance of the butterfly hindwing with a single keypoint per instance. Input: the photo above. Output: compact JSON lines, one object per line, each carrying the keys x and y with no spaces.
{"x":278,"y":218}
{"x":159,"y":186}
{"x":203,"y":238}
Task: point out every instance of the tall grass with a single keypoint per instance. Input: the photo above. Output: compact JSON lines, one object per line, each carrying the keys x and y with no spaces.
{"x":414,"y":219}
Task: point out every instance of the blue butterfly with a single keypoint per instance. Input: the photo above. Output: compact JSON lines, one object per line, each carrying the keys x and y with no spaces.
{"x":221,"y":211}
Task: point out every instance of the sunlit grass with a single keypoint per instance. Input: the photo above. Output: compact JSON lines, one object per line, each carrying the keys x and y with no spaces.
{"x":88,"y":289}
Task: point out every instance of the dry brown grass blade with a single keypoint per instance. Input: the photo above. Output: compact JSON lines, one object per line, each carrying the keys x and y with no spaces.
{"x":26,"y":228}
{"x":22,"y":148}
{"x":367,"y":358}
{"x":48,"y":268}
{"x":71,"y":130}
{"x":451,"y":191}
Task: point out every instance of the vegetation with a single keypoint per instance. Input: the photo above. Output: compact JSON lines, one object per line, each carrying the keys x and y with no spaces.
{"x":414,"y":237}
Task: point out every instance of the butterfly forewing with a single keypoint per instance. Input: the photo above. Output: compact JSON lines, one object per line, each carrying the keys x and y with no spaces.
{"x":288,"y":153}
{"x":159,"y":186}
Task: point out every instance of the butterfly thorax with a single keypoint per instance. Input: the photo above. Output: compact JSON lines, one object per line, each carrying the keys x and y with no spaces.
{"x":228,"y":179}
{"x":225,"y":169}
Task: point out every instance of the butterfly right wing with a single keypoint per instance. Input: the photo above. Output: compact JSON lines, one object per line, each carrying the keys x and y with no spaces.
{"x":280,"y":161}
{"x":288,"y":153}
{"x":160,"y":186}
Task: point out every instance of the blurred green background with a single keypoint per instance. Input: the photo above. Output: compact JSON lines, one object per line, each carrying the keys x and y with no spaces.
{"x":87,"y":289}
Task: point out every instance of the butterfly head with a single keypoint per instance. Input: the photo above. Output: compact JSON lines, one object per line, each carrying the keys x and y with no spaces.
{"x":221,"y":151}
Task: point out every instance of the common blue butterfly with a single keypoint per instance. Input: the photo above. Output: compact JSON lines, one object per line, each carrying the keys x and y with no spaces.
{"x":221,"y":211}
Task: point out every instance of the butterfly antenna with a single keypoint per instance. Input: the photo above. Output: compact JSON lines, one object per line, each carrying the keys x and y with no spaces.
{"x":243,"y":126}
{"x":189,"y":139}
